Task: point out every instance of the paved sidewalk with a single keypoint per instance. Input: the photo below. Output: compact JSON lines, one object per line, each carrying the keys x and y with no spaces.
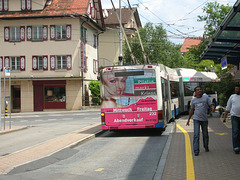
{"x":47,"y":148}
{"x":220,"y":163}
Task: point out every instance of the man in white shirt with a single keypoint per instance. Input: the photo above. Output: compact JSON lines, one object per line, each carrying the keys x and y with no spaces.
{"x":233,"y":106}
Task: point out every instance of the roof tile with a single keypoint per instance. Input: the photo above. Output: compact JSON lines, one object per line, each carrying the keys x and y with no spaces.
{"x":57,"y":8}
{"x":189,"y":42}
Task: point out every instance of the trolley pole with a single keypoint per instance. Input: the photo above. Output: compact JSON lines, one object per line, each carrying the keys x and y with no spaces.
{"x":1,"y":101}
{"x":120,"y":35}
{"x":4,"y":97}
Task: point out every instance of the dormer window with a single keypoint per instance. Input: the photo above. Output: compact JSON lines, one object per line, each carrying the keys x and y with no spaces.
{"x":3,"y":5}
{"x":49,"y":2}
{"x":26,"y":5}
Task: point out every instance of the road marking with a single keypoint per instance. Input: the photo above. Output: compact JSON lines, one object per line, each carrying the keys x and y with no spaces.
{"x":99,"y":169}
{"x":23,"y":121}
{"x":189,"y":160}
{"x":221,"y":134}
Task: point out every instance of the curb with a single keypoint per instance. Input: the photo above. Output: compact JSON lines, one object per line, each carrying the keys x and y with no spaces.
{"x":13,"y":130}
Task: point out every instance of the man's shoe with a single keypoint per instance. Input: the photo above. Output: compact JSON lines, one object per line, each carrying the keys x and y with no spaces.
{"x":196,"y":153}
{"x":206,"y":150}
{"x":236,"y":152}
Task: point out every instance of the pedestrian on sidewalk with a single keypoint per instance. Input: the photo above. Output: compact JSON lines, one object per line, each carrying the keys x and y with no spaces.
{"x":233,"y":106}
{"x":199,"y":109}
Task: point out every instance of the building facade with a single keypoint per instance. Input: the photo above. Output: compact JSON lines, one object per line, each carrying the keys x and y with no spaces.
{"x":51,"y":50}
{"x":109,"y":42}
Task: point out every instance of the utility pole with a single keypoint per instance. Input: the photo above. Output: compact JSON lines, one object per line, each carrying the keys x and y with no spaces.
{"x":120,"y":34}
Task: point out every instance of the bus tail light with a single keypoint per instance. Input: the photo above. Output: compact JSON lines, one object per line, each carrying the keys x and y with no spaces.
{"x":160,"y":114}
{"x":103,"y":118}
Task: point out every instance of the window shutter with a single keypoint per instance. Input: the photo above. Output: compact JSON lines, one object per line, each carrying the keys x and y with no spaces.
{"x":93,"y":13}
{"x":85,"y":34}
{"x":6,"y":33}
{"x":34,"y":63}
{"x":52,"y":32}
{"x":23,"y":5}
{"x":45,"y":63}
{"x":29,"y":33}
{"x":5,"y":8}
{"x":94,"y":66}
{"x":85,"y":64}
{"x":28,"y":4}
{"x":1,"y":63}
{"x":22,"y":63}
{"x":22,"y":33}
{"x":69,"y":32}
{"x":52,"y":63}
{"x":45,"y":32}
{"x":7,"y":62}
{"x":69,"y":62}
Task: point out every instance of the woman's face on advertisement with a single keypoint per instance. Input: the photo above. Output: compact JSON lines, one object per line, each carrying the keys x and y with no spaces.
{"x":114,"y":85}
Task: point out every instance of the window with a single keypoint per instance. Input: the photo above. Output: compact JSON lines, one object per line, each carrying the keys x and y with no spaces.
{"x":95,"y":41}
{"x":15,"y":34}
{"x":26,"y":5}
{"x":95,"y":66}
{"x":55,"y":94}
{"x":40,"y":62}
{"x":1,"y":63}
{"x":84,"y":35}
{"x":61,"y":62}
{"x":15,"y":63}
{"x":61,"y":32}
{"x":37,"y":33}
{"x":174,"y":88}
{"x":3,"y":5}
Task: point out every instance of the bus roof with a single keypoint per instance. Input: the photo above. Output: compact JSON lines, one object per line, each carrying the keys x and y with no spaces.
{"x":193,"y":75}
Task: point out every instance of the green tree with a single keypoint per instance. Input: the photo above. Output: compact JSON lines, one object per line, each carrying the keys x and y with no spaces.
{"x":214,"y":15}
{"x":156,"y":45}
{"x":94,"y":87}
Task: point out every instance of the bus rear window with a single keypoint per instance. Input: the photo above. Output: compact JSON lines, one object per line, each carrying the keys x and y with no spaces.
{"x":130,"y":73}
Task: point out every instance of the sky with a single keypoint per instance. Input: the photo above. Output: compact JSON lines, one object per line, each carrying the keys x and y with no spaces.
{"x":178,"y":17}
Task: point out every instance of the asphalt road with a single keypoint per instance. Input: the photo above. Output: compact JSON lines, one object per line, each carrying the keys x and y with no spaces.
{"x":42,"y":127}
{"x":135,"y":154}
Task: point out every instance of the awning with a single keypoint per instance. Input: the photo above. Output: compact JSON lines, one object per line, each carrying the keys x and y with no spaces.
{"x":226,"y":40}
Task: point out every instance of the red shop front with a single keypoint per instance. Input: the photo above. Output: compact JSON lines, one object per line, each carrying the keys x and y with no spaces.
{"x":49,"y":95}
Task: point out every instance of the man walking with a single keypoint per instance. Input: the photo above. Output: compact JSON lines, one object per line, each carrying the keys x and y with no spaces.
{"x":233,"y":106}
{"x":199,"y":107}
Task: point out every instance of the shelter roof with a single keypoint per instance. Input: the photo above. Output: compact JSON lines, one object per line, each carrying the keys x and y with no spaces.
{"x":226,"y":40}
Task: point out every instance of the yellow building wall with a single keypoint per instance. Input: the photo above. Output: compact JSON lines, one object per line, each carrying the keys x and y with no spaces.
{"x":108,"y":48}
{"x":15,"y":5}
{"x":73,"y":95}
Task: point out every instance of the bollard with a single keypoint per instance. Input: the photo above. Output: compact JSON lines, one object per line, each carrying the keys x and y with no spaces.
{"x":6,"y":112}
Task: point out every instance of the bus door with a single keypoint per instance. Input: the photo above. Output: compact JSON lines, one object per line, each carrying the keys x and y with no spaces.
{"x":165,"y":100}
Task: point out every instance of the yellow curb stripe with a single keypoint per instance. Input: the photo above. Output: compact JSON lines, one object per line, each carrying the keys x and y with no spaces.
{"x":189,"y":160}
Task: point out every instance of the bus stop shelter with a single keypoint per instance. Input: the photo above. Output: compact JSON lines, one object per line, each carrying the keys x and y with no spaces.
{"x":224,"y":47}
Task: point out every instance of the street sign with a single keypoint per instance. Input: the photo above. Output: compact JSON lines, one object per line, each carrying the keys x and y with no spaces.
{"x":7,"y":72}
{"x":224,"y":62}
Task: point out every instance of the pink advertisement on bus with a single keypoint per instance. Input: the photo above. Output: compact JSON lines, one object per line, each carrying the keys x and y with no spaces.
{"x":129,"y":98}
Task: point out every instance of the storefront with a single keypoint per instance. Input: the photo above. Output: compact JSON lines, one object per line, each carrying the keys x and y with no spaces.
{"x":49,"y":95}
